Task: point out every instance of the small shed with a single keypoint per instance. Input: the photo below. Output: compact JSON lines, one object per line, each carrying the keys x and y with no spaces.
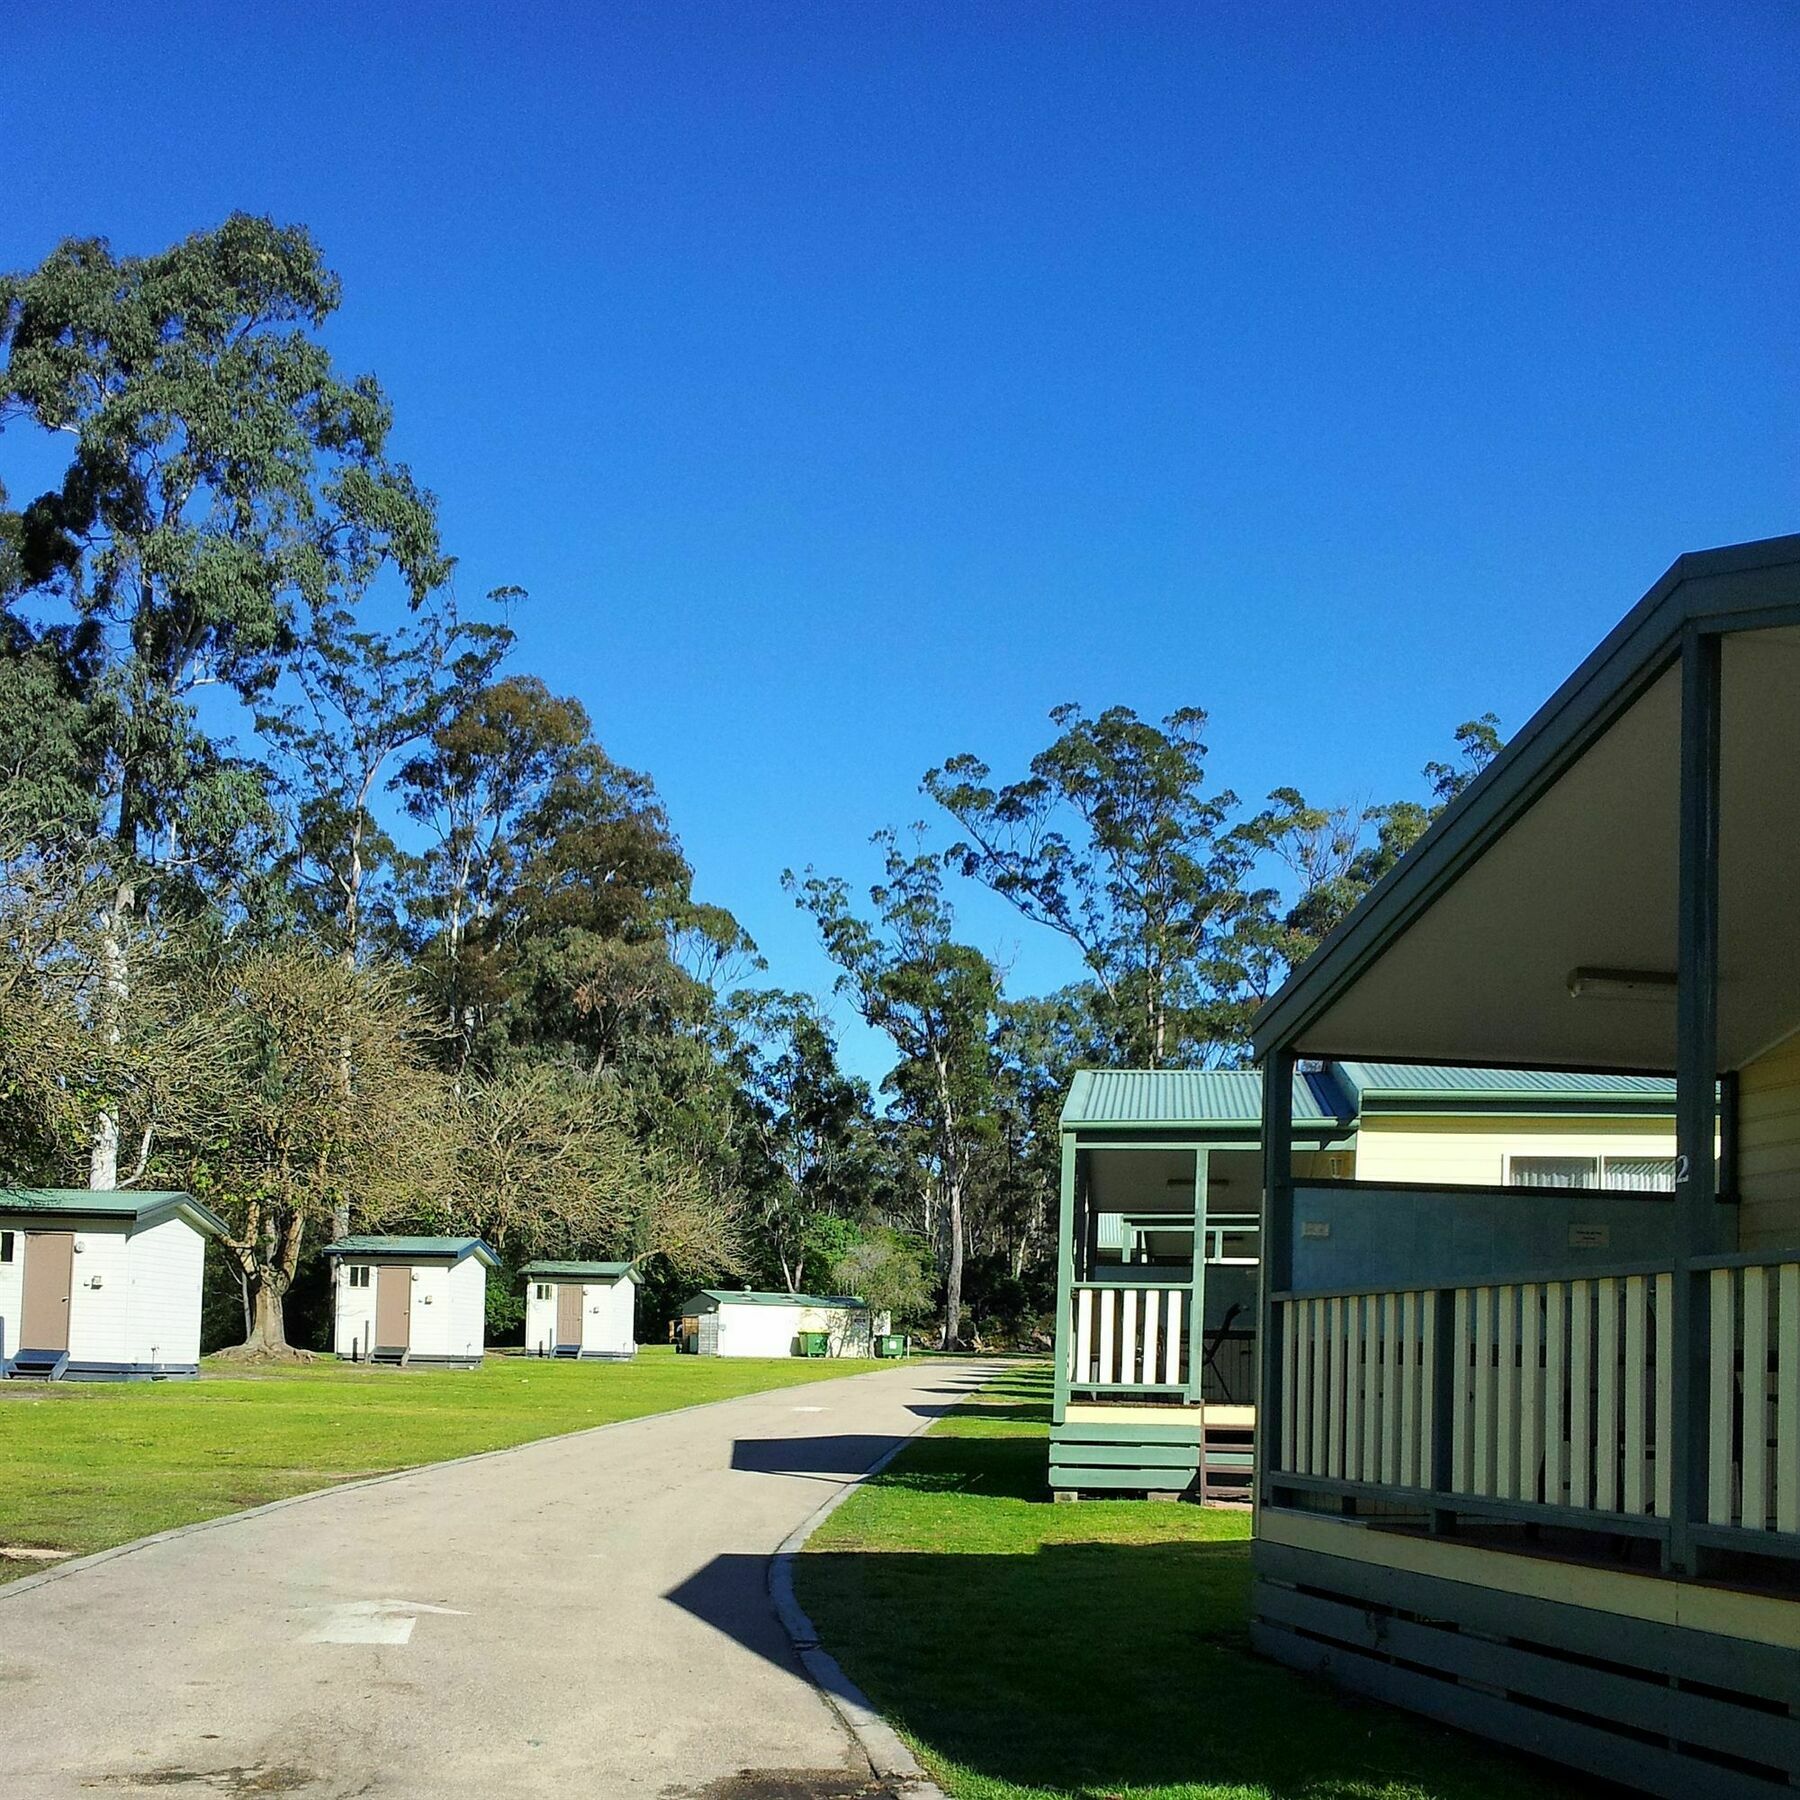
{"x":101,"y":1286}
{"x":581,"y":1310}
{"x":721,"y":1322}
{"x":403,"y":1300}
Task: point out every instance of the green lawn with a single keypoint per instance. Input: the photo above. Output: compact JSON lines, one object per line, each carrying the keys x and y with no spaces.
{"x":1099,"y":1650}
{"x":86,"y":1465}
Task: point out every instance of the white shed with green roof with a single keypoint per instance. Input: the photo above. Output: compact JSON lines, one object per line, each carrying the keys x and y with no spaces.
{"x":409,"y":1300}
{"x":583,"y":1311}
{"x":101,"y":1285}
{"x":726,"y":1322}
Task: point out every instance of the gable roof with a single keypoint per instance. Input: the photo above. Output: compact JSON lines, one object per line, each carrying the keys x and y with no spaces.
{"x":140,"y":1208}
{"x":585,"y":1271}
{"x":1560,"y":856}
{"x":1202,"y":1098}
{"x":417,"y":1249}
{"x":748,"y":1297}
{"x":1336,"y":1094}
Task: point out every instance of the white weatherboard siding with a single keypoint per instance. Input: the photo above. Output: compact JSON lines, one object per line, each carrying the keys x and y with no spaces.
{"x":772,"y":1330}
{"x":540,"y":1317}
{"x":449,"y":1309}
{"x":12,"y":1288}
{"x":167,"y":1265}
{"x":609,"y":1318}
{"x":465,"y":1322}
{"x":433,"y":1324}
{"x":354,"y":1312}
{"x":99,"y":1316}
{"x":448,"y":1316}
{"x":758,"y":1330}
{"x":1473,"y":1151}
{"x":134,"y":1299}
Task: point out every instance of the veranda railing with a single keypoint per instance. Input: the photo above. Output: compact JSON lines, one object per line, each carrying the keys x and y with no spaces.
{"x":1549,"y":1399}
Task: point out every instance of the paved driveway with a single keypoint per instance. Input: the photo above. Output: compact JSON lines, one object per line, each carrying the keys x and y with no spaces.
{"x":587,"y":1616}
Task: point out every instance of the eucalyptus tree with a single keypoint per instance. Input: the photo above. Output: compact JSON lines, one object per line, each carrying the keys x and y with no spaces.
{"x":811,"y":1124}
{"x":933,"y":998}
{"x":359,"y":695}
{"x":221,"y":480}
{"x":1113,"y":839}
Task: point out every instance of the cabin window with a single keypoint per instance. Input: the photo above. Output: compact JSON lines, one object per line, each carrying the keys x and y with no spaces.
{"x":1644,"y":1174}
{"x":1553,"y":1171}
{"x":1233,"y":1240}
{"x":359,"y":1274}
{"x":6,"y":1246}
{"x":543,"y":1290}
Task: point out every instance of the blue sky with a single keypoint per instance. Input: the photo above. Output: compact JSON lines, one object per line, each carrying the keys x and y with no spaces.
{"x":849,"y":385}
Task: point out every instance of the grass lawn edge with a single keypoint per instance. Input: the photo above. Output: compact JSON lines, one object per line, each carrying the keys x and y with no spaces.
{"x":891,"y":1756}
{"x":39,"y":1578}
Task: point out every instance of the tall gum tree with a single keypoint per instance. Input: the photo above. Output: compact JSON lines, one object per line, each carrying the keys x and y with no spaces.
{"x":934,"y":998}
{"x":221,"y":479}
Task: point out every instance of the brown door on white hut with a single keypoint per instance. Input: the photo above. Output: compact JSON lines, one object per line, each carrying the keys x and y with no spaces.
{"x":49,"y":1281}
{"x":568,"y":1312}
{"x":393,"y":1308}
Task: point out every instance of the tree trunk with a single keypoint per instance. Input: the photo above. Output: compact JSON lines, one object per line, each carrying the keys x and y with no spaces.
{"x":953,"y":1275}
{"x":268,"y":1327}
{"x":115,"y":986}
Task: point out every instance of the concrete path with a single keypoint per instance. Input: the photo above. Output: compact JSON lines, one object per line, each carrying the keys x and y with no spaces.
{"x":587,"y":1616}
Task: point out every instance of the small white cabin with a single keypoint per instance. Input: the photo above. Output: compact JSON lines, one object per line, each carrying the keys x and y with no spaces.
{"x":583,"y":1310}
{"x":407,"y":1300}
{"x":101,"y":1286}
{"x":719,"y":1322}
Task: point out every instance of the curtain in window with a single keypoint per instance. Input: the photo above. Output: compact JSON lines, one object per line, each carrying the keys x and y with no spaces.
{"x":1553,"y":1171}
{"x":1642,"y":1174}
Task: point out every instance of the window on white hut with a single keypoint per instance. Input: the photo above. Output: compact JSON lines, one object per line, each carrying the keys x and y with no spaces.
{"x":1553,"y":1172}
{"x":6,"y":1246}
{"x":1642,"y":1174}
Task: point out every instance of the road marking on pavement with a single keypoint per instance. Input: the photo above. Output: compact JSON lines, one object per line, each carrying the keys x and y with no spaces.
{"x":373,"y":1622}
{"x":809,"y":1409}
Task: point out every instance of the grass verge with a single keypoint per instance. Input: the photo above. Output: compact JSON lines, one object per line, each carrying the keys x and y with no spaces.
{"x":1036,"y":1652}
{"x":87,"y":1465}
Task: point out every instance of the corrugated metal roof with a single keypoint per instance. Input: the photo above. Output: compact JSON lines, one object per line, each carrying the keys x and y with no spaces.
{"x":111,"y":1203}
{"x":748,"y":1298}
{"x":1199,"y":1097}
{"x":1336,"y":1092}
{"x":592,"y":1271}
{"x":1391,"y":1082}
{"x":455,"y":1248}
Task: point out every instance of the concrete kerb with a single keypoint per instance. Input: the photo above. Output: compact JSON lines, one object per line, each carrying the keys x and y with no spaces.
{"x":74,"y":1566}
{"x":889,"y":1758}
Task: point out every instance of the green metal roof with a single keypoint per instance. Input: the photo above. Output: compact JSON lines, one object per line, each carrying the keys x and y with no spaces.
{"x":586,"y":1271}
{"x":140,"y":1206}
{"x":748,"y":1298}
{"x":445,"y":1249}
{"x":1201,"y":1098}
{"x":1391,"y":1085}
{"x":1336,"y":1093}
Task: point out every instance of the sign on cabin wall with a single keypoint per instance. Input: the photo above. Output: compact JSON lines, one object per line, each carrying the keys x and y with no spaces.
{"x":1590,"y":1237}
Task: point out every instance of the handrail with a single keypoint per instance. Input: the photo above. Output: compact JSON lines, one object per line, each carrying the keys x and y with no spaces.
{"x":1455,"y":1190}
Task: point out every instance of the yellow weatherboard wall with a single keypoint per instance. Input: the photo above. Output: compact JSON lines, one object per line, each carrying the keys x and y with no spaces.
{"x":1769,"y":1148}
{"x":1463,"y":1151}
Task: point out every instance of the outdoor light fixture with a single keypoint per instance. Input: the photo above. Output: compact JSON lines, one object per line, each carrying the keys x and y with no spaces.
{"x":1621,"y":984}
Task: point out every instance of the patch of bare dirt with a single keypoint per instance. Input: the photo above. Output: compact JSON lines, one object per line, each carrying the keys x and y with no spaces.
{"x":283,"y":1780}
